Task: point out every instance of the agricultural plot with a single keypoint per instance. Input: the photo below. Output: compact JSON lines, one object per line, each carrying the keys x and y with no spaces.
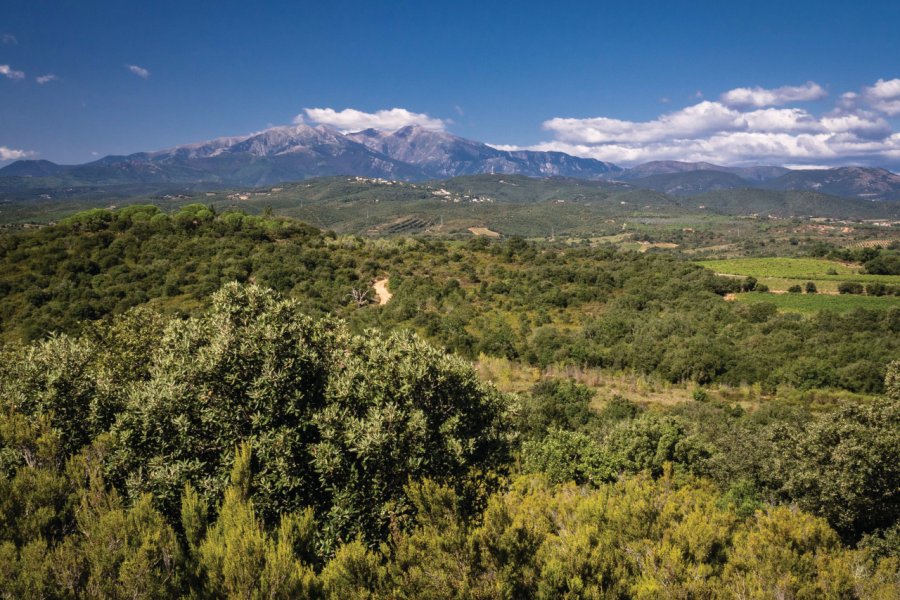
{"x":776,"y":272}
{"x":812,"y":303}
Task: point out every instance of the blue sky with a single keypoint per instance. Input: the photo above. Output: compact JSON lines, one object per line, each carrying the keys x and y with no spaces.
{"x":608,"y":80}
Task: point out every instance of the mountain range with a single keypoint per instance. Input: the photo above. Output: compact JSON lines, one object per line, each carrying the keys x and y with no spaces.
{"x":412,"y":153}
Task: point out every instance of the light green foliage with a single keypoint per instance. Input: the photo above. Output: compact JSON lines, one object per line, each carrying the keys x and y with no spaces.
{"x":788,"y":554}
{"x":354,"y":573}
{"x":54,"y":378}
{"x":640,"y":538}
{"x":565,"y":456}
{"x":118,"y":551}
{"x":240,"y":559}
{"x":645,"y":443}
{"x":793,"y":268}
{"x":892,"y":381}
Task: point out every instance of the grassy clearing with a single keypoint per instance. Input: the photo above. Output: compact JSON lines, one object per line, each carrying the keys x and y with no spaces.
{"x":811,"y":303}
{"x":484,"y":231}
{"x":808,"y":269}
{"x":515,"y":377}
{"x":649,"y":391}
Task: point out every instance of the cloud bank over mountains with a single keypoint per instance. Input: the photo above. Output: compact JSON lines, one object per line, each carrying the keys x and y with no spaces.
{"x":745,"y":126}
{"x":355,"y":120}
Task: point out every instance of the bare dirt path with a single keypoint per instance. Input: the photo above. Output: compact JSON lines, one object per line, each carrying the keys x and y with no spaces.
{"x":381,"y":291}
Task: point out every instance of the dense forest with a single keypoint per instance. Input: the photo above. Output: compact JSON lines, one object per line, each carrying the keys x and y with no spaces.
{"x":206,"y":405}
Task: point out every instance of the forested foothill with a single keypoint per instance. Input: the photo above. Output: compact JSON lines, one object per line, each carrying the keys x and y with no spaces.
{"x":196,"y":404}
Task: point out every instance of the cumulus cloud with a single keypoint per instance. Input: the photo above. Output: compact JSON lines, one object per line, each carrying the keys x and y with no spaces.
{"x":42,"y":79}
{"x":759,"y":97}
{"x":11,"y":73}
{"x":350,"y":119}
{"x":884,"y":96}
{"x":139,"y":71}
{"x":9,"y":39}
{"x":13,"y":154}
{"x":744,"y":127}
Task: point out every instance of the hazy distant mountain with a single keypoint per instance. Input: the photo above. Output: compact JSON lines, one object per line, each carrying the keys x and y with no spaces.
{"x":689,"y":179}
{"x":691,"y":183}
{"x":859,"y":182}
{"x":412,"y":153}
{"x":31,"y":168}
{"x":300,"y":151}
{"x":666,"y":167}
{"x":791,"y":203}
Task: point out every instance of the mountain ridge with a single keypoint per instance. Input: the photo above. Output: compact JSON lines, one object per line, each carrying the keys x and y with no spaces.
{"x":414,"y":153}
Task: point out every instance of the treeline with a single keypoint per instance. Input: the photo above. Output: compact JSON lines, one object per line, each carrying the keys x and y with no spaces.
{"x":539,"y":304}
{"x":251,"y":451}
{"x":875,"y":260}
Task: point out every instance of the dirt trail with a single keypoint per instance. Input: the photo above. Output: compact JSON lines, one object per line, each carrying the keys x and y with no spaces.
{"x":381,"y":291}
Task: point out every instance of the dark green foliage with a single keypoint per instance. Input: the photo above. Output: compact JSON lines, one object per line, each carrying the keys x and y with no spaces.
{"x":338,"y":422}
{"x":845,"y":466}
{"x":617,"y":409}
{"x":556,"y":404}
{"x":850,"y":287}
{"x":885,"y":263}
{"x":876,"y":289}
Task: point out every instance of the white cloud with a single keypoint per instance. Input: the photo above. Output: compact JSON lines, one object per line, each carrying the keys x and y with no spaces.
{"x":46,"y":78}
{"x":350,"y":119}
{"x":13,"y":154}
{"x":9,"y":72}
{"x":884,"y":96}
{"x":744,"y":128}
{"x":759,"y":97}
{"x":703,"y":117}
{"x":139,"y":71}
{"x":9,"y":39}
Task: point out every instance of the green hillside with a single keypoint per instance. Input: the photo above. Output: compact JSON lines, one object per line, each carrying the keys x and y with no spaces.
{"x":204,"y":403}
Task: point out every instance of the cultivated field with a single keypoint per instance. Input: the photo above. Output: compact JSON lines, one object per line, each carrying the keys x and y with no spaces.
{"x":811,"y":303}
{"x":781,"y":273}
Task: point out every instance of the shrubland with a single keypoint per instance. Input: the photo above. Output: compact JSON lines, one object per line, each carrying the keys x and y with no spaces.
{"x":290,"y":442}
{"x":540,"y":304}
